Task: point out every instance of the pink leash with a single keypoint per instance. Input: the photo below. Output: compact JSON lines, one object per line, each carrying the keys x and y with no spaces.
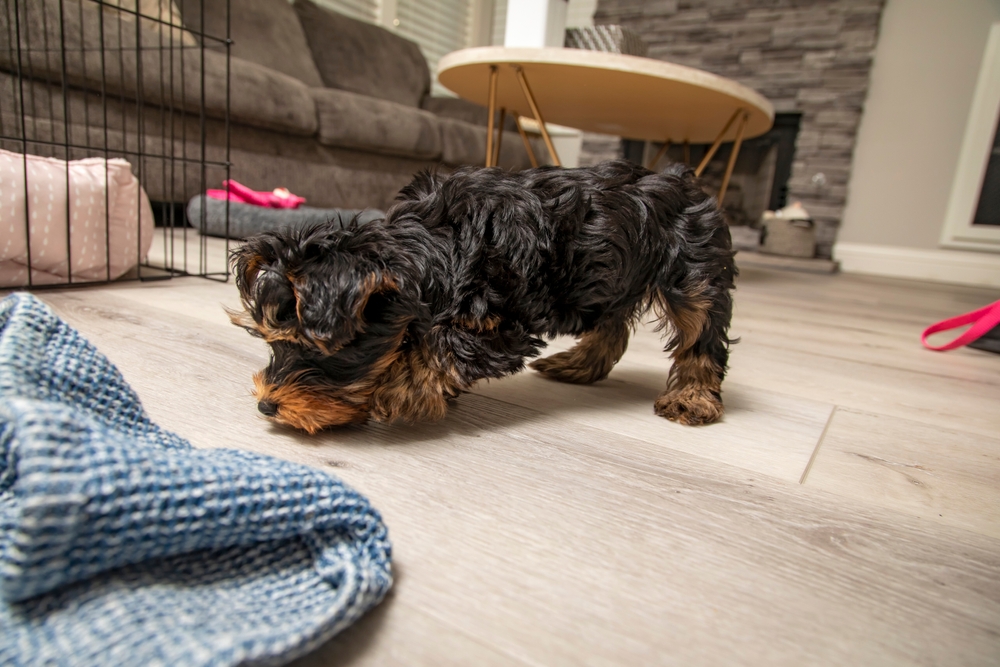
{"x":982,"y":321}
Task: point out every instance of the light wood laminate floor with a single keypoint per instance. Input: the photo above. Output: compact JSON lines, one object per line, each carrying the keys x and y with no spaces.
{"x":845,"y":512}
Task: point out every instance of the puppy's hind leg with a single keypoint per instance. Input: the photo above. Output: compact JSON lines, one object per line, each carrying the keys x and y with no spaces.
{"x":591,"y":359}
{"x":700,"y":346}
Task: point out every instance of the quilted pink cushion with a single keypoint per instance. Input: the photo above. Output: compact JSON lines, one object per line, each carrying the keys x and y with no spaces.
{"x":118,"y":239}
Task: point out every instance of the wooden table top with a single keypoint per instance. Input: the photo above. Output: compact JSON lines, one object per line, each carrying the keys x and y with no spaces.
{"x":637,"y":98}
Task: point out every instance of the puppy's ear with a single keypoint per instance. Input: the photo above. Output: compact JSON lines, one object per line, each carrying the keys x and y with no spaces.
{"x":334,"y":299}
{"x":245,"y":263}
{"x":266,"y":293}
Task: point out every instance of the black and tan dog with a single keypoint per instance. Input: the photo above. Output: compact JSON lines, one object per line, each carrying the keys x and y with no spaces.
{"x":465,"y":276}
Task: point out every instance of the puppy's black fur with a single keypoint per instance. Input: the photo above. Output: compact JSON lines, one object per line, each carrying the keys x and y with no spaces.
{"x":469,"y":272}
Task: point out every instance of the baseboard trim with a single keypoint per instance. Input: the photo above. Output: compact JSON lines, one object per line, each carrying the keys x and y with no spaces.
{"x":942,"y":266}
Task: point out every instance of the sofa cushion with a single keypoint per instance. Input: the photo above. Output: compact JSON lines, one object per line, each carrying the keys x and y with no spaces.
{"x":259,"y":96}
{"x":266,"y":32}
{"x":459,"y":109}
{"x":462,"y":143}
{"x":465,"y":144}
{"x":165,"y":17}
{"x":358,"y":121}
{"x":363,"y":58}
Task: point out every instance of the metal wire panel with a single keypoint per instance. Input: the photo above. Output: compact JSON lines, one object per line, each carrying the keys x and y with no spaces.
{"x":95,"y":81}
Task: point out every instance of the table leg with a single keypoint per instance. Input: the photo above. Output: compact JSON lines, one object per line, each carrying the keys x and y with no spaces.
{"x":527,"y":142}
{"x":659,"y":155}
{"x":538,"y":115}
{"x":496,"y":146}
{"x":718,"y":142}
{"x":491,"y":109}
{"x":687,"y":152}
{"x":732,"y":157}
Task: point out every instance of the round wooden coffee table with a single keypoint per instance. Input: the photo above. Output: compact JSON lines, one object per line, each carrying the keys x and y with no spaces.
{"x":637,"y":98}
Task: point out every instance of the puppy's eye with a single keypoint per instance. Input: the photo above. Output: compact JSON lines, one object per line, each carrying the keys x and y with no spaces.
{"x":376,"y":309}
{"x":286,"y":312}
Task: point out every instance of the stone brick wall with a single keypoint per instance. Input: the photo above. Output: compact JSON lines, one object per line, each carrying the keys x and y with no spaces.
{"x":810,"y":56}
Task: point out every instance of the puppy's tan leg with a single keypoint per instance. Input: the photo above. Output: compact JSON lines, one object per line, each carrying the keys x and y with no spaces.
{"x":413,"y":390}
{"x":591,"y":359}
{"x":693,"y":395}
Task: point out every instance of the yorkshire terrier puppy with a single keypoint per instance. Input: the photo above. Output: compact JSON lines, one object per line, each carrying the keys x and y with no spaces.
{"x":466,"y":275}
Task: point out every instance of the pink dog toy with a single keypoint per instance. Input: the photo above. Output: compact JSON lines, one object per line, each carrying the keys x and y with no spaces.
{"x":278,"y":198}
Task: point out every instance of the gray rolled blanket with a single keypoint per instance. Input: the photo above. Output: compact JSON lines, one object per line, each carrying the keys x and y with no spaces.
{"x":246,"y":219}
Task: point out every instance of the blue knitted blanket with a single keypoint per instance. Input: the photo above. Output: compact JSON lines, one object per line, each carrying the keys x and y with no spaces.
{"x":120,"y":544}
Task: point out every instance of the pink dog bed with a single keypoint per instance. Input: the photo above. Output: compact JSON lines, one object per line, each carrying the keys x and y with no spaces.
{"x":107,"y":236}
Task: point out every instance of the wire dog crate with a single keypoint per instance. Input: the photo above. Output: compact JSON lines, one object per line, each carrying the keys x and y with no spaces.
{"x":112,"y":116}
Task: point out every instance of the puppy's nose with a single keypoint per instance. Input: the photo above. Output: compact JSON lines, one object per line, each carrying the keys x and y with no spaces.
{"x":267,"y":408}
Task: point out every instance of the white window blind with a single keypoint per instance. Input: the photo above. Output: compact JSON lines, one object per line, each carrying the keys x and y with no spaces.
{"x":438,"y":26}
{"x":499,"y":22}
{"x":363,"y":10}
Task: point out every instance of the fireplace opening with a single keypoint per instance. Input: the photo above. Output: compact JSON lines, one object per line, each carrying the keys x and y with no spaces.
{"x":760,"y":176}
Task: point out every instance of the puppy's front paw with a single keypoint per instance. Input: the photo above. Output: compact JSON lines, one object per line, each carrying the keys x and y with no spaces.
{"x":692,"y":406}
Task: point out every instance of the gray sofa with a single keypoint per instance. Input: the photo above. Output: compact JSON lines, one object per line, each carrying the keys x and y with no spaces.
{"x":336,"y":110}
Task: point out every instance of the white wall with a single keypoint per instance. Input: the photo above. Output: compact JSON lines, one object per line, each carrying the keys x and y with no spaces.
{"x":923,"y":78}
{"x":535,"y":23}
{"x":578,"y":13}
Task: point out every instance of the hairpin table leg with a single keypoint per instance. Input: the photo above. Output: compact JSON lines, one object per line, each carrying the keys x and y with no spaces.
{"x":732,"y":156}
{"x":659,"y":155}
{"x":496,"y":146}
{"x":718,"y":142}
{"x":491,"y":109}
{"x":538,"y":115}
{"x":527,"y":142}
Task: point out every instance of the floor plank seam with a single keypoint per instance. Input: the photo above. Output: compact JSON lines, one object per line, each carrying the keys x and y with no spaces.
{"x":632,"y":464}
{"x":819,"y":443}
{"x":942,"y":375}
{"x":917,"y":422}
